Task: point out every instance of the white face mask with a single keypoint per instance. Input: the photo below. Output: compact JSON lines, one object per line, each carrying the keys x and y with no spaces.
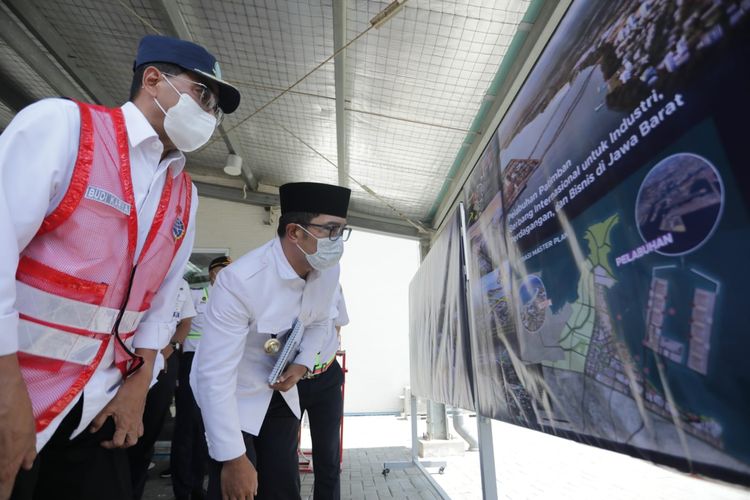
{"x":328,"y":253}
{"x":186,"y":124}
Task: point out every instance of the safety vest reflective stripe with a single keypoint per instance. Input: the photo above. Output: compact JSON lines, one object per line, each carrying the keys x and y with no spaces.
{"x":42,"y":340}
{"x":36,"y":303}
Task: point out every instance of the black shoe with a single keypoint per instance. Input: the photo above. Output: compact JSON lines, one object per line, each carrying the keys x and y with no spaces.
{"x":166,"y":473}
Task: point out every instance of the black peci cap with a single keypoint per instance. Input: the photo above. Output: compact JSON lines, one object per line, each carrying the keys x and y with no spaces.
{"x":191,"y":57}
{"x":315,"y":198}
{"x":222,"y":261}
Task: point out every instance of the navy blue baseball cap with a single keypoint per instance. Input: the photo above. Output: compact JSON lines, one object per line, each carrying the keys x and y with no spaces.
{"x":191,"y":57}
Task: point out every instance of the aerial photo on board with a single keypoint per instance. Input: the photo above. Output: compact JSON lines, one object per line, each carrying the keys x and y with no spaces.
{"x":606,"y":323}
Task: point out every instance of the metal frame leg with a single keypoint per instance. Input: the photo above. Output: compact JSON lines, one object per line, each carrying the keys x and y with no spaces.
{"x":487,"y":458}
{"x":415,"y":462}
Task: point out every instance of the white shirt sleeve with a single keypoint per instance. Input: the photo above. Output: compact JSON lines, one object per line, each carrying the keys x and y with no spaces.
{"x":342,"y":315}
{"x":313,"y":340}
{"x":156,"y":328}
{"x":216,"y":365}
{"x":188,"y":308}
{"x":37,"y":154}
{"x":195,"y":298}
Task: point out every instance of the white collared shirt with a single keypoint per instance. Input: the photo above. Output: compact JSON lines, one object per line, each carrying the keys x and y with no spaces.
{"x":199,"y":298}
{"x":340,"y":317}
{"x":183,"y":309}
{"x":254,"y":297}
{"x":38,"y":152}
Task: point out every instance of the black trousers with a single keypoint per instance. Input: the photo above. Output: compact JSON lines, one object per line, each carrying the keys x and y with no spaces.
{"x":77,"y":469}
{"x":321,"y":398}
{"x":189,"y":452}
{"x":273,"y":453}
{"x":157,"y":406}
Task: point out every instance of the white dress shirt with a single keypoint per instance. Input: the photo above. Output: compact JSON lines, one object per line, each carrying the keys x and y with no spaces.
{"x":200,"y":303}
{"x":38,"y":151}
{"x":342,"y":315}
{"x":183,"y":309}
{"x":340,"y":318}
{"x":256,"y":296}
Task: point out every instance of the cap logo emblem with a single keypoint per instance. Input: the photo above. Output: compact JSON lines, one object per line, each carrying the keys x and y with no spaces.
{"x":217,"y":70}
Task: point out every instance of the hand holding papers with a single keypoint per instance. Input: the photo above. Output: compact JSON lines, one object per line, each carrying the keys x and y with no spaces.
{"x":289,"y":351}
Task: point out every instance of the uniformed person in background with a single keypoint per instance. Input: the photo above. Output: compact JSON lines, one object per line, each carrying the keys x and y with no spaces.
{"x":188,"y":453}
{"x":321,"y":397}
{"x":162,"y":391}
{"x":252,"y":428}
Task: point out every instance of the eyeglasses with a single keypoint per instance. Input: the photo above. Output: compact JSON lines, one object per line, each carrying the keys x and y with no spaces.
{"x":206,"y":98}
{"x":335,"y":231}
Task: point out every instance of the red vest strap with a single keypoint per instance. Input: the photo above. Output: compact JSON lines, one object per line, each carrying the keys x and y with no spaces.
{"x":80,"y":176}
{"x":184,"y":183}
{"x":161,"y":210}
{"x":187,"y":184}
{"x":123,"y":151}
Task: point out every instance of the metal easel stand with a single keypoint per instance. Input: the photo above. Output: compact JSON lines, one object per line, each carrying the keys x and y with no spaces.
{"x":487,"y":458}
{"x":415,"y":462}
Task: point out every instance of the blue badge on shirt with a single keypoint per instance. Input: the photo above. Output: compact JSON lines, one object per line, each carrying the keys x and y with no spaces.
{"x":178,"y":229}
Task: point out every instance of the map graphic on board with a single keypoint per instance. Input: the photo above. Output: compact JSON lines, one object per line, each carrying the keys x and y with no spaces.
{"x":608,"y":233}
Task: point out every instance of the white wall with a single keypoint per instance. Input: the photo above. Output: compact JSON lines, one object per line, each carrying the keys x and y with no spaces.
{"x":375,"y":275}
{"x":236,"y":226}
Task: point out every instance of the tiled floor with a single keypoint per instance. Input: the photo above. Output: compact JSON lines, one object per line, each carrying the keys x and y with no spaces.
{"x":529,"y":465}
{"x":362,"y":478}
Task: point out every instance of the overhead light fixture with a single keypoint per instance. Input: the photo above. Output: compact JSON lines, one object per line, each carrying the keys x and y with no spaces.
{"x":234,"y":165}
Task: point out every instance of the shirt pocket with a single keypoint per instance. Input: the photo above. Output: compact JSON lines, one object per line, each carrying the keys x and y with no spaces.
{"x":270,"y":326}
{"x":201,"y":307}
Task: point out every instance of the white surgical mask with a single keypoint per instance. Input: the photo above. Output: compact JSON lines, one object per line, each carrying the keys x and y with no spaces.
{"x":187,"y":125}
{"x":328,"y":254}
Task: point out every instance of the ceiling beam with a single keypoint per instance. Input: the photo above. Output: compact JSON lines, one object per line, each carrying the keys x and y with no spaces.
{"x":38,"y":25}
{"x":24,"y":45}
{"x":6,"y":115}
{"x":339,"y":62}
{"x":227,"y":193}
{"x":171,"y":10}
{"x":13,"y":96}
{"x":386,"y":225}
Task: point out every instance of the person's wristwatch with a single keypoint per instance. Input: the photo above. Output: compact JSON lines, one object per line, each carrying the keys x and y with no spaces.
{"x":175,"y":345}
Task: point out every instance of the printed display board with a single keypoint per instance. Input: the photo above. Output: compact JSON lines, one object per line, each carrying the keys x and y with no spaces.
{"x":609,"y":232}
{"x":440,"y":356}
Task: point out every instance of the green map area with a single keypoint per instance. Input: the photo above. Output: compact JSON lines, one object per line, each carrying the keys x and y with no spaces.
{"x":575,"y":337}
